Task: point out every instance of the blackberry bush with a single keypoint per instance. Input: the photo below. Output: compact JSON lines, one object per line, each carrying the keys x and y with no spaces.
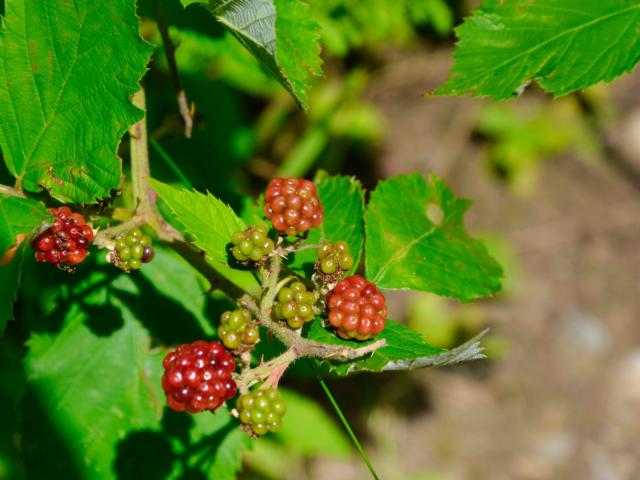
{"x":293,"y":206}
{"x":197,"y":377}
{"x":262,"y":410}
{"x":356,"y":308}
{"x":237,"y":329}
{"x":64,"y":244}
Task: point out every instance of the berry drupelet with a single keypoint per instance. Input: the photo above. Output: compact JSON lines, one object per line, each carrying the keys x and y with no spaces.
{"x":197,"y":377}
{"x":64,"y":244}
{"x":333,"y":258}
{"x":237,"y":329}
{"x":356,"y":308}
{"x":292,"y":205}
{"x":262,"y":410}
{"x":132,"y":250}
{"x":295,"y":305}
{"x":252,"y":244}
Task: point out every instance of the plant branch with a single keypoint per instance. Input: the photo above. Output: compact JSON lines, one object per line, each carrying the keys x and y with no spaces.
{"x":10,"y":191}
{"x":105,"y":237}
{"x":169,"y":49}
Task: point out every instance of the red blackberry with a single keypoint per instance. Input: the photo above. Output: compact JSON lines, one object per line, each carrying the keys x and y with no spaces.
{"x":197,"y":377}
{"x":64,"y":244}
{"x":292,"y":205}
{"x":356,"y":308}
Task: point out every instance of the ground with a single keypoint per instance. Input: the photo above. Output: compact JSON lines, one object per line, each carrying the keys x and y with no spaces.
{"x":564,"y":401}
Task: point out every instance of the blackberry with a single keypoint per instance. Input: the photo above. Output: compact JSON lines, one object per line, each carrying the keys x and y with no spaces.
{"x":64,"y":244}
{"x":132,"y":250}
{"x":262,"y":410}
{"x":356,"y":308}
{"x":197,"y":377}
{"x":295,"y":305}
{"x":237,"y":329}
{"x":252,"y":244}
{"x":292,"y":205}
{"x":334,"y":258}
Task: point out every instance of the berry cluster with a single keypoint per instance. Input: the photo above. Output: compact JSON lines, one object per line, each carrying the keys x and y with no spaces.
{"x":334,"y":258}
{"x":356,"y":308}
{"x":295,"y":305}
{"x":262,"y":410}
{"x":132,"y":250}
{"x":197,"y":377}
{"x":251,"y":244}
{"x":64,"y":244}
{"x":237,"y":329}
{"x":292,"y":205}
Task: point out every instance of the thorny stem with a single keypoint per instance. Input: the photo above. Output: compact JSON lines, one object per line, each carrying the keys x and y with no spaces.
{"x":298,"y":346}
{"x":10,"y":191}
{"x":169,"y":49}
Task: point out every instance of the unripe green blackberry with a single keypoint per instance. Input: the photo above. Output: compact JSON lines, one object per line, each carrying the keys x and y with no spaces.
{"x":262,"y":410}
{"x":252,"y":244}
{"x":295,"y":305}
{"x":237,"y":329}
{"x":132,"y":250}
{"x":334,"y":258}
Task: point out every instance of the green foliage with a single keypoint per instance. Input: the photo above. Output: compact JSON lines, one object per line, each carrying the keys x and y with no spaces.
{"x":279,"y":33}
{"x":405,"y":349}
{"x":9,"y":284}
{"x":65,"y":114}
{"x":19,"y":216}
{"x":415,"y":239}
{"x":343,"y":201}
{"x":211,"y":223}
{"x":522,"y":137}
{"x":564,"y":45}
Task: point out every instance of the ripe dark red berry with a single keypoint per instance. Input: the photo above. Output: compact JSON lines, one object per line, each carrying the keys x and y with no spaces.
{"x":64,"y":244}
{"x":356,"y":308}
{"x":197,"y":377}
{"x":292,"y":205}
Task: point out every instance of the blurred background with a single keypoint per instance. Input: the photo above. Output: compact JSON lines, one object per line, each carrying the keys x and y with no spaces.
{"x":556,"y":192}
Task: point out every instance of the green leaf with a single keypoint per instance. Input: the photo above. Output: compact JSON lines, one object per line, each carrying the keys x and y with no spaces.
{"x":416,"y":240}
{"x":279,"y":33}
{"x":67,"y":71}
{"x":224,"y":442}
{"x":343,"y":201}
{"x":404,"y":348}
{"x":19,"y":216}
{"x":210,"y":223}
{"x":95,"y":379}
{"x":564,"y":45}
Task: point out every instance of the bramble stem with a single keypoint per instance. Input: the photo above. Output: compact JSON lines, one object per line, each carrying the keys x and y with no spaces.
{"x":10,"y":191}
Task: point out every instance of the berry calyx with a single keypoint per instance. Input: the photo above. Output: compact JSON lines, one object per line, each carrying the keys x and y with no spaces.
{"x":262,"y":410}
{"x":64,"y":244}
{"x":295,"y":305}
{"x":237,"y":329}
{"x":132,"y":249}
{"x":333,"y":258}
{"x":197,"y":377}
{"x":356,"y":308}
{"x":292,"y":205}
{"x":252,"y":244}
